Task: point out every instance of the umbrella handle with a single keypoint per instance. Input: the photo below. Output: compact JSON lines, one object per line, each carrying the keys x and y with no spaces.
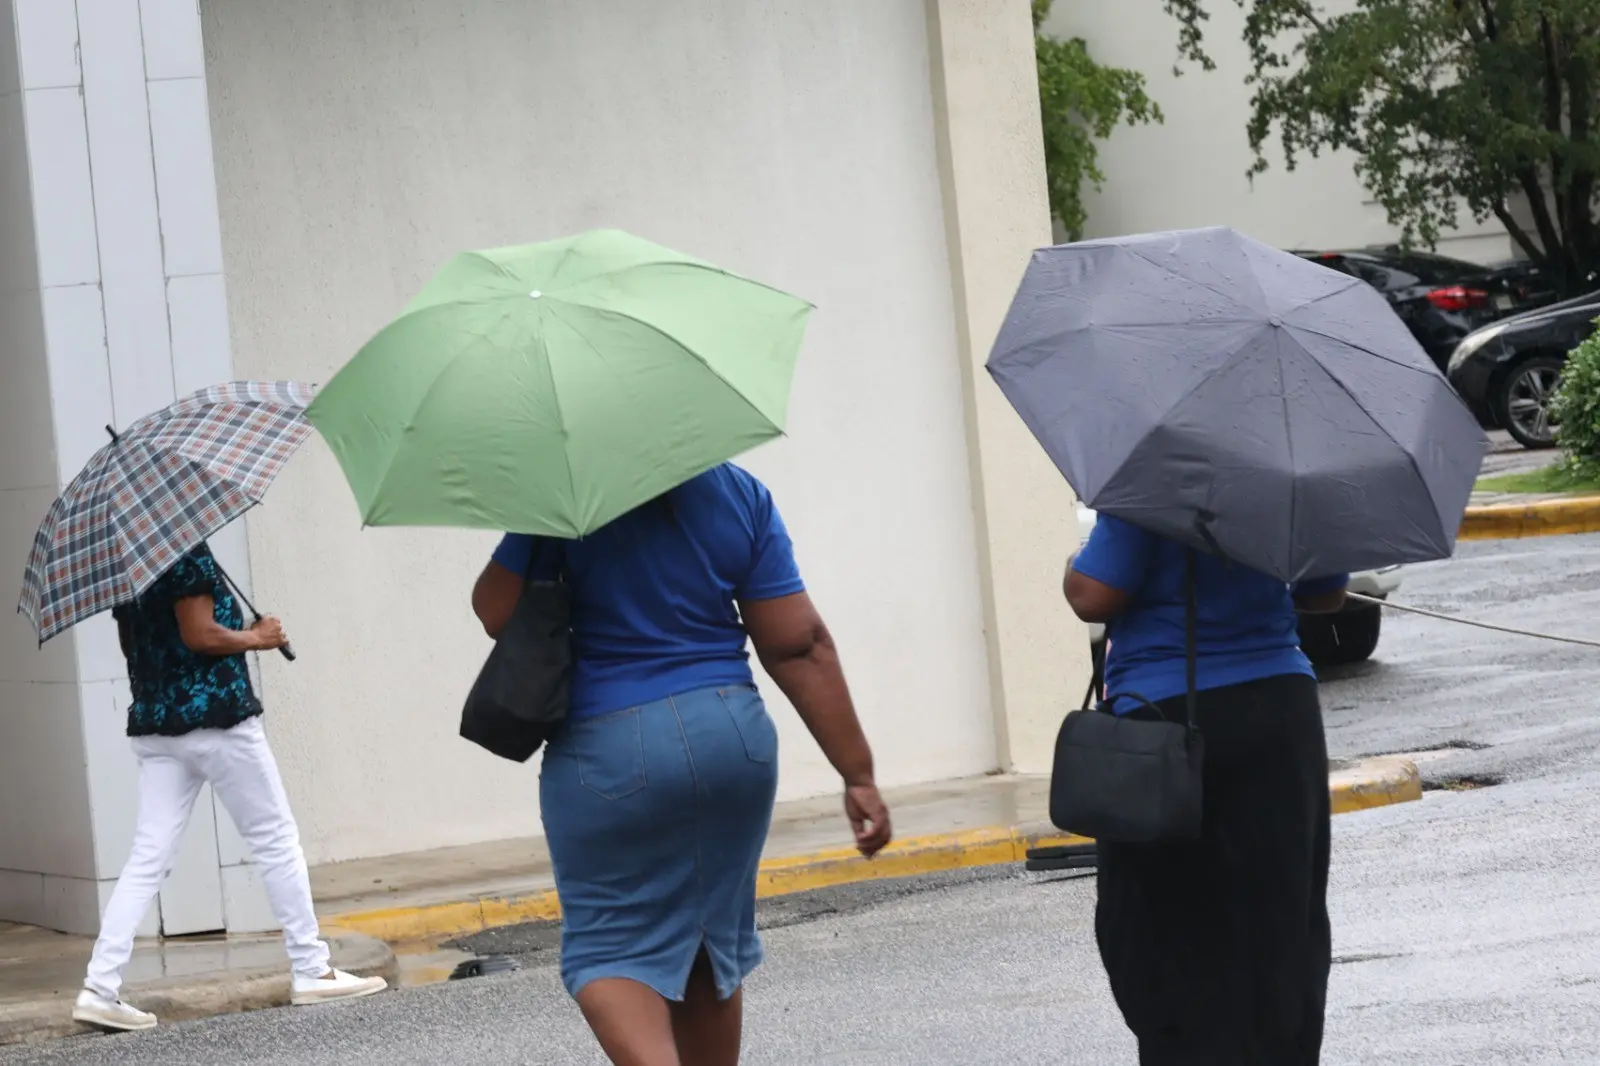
{"x":287,"y":651}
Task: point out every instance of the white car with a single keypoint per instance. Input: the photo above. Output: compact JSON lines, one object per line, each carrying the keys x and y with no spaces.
{"x":1350,"y":636}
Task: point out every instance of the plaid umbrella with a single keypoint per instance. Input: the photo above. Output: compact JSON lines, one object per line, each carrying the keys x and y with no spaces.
{"x":155,"y":493}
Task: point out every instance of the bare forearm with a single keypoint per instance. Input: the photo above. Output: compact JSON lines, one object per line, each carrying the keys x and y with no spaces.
{"x":814,"y":683}
{"x":219,"y":641}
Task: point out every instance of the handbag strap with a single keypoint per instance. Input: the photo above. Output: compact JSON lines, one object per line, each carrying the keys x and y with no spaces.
{"x":1191,"y":626}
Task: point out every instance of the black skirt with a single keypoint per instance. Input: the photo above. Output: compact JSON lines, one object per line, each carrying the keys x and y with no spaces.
{"x":1218,"y":951}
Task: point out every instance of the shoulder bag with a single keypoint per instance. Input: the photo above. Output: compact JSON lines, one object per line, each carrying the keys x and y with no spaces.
{"x":521,"y":694}
{"x":1133,"y":778}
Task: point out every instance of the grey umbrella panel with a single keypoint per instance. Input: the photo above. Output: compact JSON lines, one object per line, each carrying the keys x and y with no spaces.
{"x":1240,"y":399}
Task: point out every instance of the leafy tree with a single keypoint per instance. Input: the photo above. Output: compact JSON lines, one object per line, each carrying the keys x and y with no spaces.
{"x":1081,"y":102}
{"x":1483,"y":103}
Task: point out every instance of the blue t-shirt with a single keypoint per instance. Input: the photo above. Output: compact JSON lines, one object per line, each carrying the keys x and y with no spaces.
{"x":1247,"y":628}
{"x":653,"y":592}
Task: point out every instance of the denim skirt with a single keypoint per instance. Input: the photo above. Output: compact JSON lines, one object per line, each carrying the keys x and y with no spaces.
{"x":655,"y":817}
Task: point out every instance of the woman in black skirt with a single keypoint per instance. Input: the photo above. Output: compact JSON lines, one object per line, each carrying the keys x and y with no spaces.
{"x":1218,"y":950}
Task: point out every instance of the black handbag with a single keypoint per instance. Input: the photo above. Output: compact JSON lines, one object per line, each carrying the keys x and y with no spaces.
{"x":1134,"y":778}
{"x":521,"y":694}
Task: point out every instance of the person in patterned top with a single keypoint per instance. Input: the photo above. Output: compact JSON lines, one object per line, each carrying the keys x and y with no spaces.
{"x":177,"y":689}
{"x":195,"y":719}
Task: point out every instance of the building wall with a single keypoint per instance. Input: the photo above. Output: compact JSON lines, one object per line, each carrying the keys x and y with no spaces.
{"x":1191,"y":171}
{"x":110,"y":269}
{"x":41,"y":734}
{"x":359,"y":144}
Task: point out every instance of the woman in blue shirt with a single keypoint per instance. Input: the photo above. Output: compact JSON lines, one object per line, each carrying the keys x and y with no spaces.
{"x":657,"y":793}
{"x":1218,"y":950}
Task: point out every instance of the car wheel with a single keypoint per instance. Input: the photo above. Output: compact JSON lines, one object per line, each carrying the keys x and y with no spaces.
{"x":1341,"y":639}
{"x":1522,"y":405}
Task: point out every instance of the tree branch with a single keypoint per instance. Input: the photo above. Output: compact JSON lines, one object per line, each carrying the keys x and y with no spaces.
{"x":1533,"y":189}
{"x":1518,"y":234}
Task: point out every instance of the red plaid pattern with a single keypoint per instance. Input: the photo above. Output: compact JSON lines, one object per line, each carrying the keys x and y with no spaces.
{"x":148,"y":499}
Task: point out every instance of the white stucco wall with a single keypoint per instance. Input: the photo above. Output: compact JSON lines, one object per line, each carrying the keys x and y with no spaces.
{"x":358,"y":144}
{"x":41,"y":735}
{"x":110,"y":266}
{"x":1191,"y":171}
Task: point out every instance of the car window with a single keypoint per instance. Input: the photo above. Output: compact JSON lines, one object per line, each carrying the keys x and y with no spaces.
{"x":1434,"y":269}
{"x":1379,"y":276}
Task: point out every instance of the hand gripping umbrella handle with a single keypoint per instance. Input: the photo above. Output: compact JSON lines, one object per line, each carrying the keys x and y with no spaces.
{"x":285,"y":649}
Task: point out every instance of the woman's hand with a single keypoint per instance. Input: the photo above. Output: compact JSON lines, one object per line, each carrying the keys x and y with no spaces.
{"x":869,"y":818}
{"x":268,"y":634}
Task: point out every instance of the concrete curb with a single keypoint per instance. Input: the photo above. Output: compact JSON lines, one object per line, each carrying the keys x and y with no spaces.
{"x":203,"y":995}
{"x":1352,"y":786}
{"x":1546,"y":518}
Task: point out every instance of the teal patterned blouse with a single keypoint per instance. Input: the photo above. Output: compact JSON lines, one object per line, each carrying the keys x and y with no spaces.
{"x":175,"y":690}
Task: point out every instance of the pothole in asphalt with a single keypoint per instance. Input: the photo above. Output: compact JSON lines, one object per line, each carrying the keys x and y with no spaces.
{"x":1463,"y":783}
{"x":1439,"y":752}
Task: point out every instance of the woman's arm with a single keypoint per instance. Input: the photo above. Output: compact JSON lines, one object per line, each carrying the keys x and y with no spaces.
{"x":1103,"y":578}
{"x":1320,"y":595}
{"x":495,"y":596}
{"x":1094,"y":601}
{"x":797,"y":651}
{"x":204,"y":635}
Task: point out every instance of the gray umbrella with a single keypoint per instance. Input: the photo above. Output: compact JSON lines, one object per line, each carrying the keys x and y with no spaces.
{"x":1240,"y":399}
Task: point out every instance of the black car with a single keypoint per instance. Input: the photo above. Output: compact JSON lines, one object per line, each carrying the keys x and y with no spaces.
{"x":1507,"y":372}
{"x":1440,"y":299}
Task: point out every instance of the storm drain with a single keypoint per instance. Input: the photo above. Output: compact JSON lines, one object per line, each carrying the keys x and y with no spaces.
{"x":1064,"y":857}
{"x":484,"y":967}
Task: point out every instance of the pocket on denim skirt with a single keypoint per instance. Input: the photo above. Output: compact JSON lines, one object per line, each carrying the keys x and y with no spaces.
{"x":756,"y":728}
{"x":609,"y":752}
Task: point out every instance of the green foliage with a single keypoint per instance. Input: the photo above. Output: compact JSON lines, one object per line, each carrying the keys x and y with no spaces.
{"x":1576,"y":409}
{"x":1081,"y":102}
{"x":1490,"y":104}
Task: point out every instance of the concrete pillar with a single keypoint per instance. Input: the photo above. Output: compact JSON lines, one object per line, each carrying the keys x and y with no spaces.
{"x":114,"y":305}
{"x":986,"y":106}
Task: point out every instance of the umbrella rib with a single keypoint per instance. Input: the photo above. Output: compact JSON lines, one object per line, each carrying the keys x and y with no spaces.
{"x":1224,"y":293}
{"x":690,"y":264}
{"x":427,"y":394}
{"x":1155,"y":423}
{"x":686,"y":350}
{"x":1411,"y":459}
{"x":1424,"y":371}
{"x":601,"y":356}
{"x":561,"y":417}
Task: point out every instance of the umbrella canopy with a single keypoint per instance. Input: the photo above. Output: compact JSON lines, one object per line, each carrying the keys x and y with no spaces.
{"x":1239,"y":399}
{"x":155,"y":493}
{"x":552,"y":387}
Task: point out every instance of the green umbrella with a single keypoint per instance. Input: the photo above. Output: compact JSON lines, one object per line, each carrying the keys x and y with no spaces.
{"x":552,"y":387}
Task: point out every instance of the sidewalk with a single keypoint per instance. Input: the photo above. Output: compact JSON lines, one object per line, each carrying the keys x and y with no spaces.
{"x":179,"y":979}
{"x":414,"y":903}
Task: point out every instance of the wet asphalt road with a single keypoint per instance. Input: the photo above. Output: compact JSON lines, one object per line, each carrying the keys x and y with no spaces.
{"x":1467,"y":927}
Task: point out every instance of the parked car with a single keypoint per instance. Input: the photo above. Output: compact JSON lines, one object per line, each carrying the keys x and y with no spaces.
{"x":1507,"y":372}
{"x":1351,"y":636}
{"x":1441,"y":299}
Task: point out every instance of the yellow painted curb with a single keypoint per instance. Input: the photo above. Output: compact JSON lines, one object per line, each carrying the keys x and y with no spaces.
{"x":1374,"y":783}
{"x":1379,"y":782}
{"x":1547,"y":518}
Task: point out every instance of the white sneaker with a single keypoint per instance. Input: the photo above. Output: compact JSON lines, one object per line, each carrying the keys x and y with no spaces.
{"x":94,"y":1009}
{"x":308,"y":990}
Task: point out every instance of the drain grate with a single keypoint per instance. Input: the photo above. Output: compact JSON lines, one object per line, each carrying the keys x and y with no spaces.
{"x":1065,"y":857}
{"x":484,"y":966}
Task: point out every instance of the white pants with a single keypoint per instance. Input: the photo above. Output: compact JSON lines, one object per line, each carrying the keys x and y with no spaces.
{"x":244,"y":776}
